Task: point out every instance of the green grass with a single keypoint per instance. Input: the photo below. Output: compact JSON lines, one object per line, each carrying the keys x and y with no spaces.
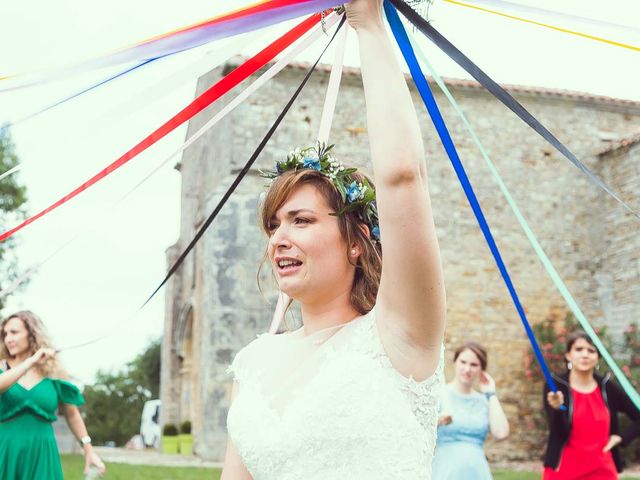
{"x":511,"y":475}
{"x":72,"y":466}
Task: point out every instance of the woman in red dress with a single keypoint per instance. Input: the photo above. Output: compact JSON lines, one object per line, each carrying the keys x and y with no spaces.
{"x":584,"y":438}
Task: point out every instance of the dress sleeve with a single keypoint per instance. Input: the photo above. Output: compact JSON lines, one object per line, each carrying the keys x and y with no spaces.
{"x":249,"y":361}
{"x":68,"y":393}
{"x":238,"y":366}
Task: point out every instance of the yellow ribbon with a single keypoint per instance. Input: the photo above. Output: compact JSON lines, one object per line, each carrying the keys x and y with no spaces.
{"x":559,"y":29}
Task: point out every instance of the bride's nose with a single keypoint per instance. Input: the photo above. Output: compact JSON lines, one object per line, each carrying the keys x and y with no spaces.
{"x":279,"y":239}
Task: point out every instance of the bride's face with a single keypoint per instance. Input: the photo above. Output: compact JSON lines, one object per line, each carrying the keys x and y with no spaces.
{"x":306,"y":249}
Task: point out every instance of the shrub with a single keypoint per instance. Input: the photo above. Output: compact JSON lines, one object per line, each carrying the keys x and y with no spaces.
{"x":169,"y":430}
{"x":185,"y":428}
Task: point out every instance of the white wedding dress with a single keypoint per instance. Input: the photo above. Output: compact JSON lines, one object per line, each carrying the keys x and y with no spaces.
{"x":331,"y":406}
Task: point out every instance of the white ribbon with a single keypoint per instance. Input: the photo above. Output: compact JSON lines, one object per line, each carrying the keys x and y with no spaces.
{"x":9,"y":172}
{"x":333,"y":87}
{"x":209,"y":60}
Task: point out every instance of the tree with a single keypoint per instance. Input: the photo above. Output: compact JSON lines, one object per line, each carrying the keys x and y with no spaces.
{"x":115,"y":400}
{"x":13,"y":197}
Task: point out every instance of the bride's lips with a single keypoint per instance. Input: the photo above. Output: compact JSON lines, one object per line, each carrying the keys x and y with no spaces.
{"x":286,"y":265}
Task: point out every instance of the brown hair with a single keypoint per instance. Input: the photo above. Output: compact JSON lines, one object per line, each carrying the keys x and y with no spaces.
{"x":477,"y":349}
{"x":577,"y":335}
{"x":38,"y":338}
{"x":368,"y":265}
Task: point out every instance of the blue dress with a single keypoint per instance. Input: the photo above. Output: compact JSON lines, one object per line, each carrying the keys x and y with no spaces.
{"x":459,"y":448}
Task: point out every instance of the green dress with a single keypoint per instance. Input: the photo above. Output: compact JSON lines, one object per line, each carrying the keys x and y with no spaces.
{"x":28,"y":448}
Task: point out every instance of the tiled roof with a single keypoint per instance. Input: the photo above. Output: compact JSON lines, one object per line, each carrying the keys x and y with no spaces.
{"x":473,"y":85}
{"x":622,"y":143}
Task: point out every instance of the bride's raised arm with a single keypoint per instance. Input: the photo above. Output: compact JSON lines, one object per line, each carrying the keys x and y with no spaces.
{"x":411,"y":302}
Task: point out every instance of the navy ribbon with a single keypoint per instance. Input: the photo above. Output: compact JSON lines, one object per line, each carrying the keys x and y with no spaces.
{"x":501,"y":94}
{"x":427,"y":97}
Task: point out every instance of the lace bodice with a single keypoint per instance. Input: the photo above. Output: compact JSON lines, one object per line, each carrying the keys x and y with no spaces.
{"x":331,"y":406}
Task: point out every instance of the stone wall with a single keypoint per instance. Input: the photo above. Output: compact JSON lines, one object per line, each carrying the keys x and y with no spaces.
{"x":587,"y":236}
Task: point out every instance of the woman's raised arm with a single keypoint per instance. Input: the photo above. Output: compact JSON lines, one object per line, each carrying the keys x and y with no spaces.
{"x":411,"y":301}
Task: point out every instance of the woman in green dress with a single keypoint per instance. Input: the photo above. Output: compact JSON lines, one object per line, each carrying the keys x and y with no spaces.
{"x":31,"y":392}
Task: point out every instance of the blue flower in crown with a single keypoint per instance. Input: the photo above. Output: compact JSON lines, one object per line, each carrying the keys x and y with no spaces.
{"x":312,"y":163}
{"x":375,"y":232}
{"x":353,"y":192}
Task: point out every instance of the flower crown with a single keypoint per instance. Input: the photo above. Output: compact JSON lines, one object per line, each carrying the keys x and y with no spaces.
{"x":359,"y":196}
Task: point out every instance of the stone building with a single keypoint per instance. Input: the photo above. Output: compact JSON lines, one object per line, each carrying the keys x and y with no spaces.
{"x":214,"y":306}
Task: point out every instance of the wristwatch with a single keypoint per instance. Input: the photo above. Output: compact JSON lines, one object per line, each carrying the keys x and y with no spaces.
{"x":86,"y":440}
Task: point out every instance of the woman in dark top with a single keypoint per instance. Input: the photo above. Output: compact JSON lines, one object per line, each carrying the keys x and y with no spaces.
{"x":584,"y":438}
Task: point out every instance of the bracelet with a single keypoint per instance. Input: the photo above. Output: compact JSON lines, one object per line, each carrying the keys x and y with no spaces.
{"x":488,"y":395}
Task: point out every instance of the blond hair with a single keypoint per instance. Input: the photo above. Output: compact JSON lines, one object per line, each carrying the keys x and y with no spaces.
{"x":368,"y":265}
{"x":38,"y":338}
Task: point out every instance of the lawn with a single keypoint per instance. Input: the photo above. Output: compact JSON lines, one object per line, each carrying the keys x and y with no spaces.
{"x":72,"y":466}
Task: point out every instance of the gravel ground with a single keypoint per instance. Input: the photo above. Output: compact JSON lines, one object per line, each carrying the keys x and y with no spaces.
{"x":151,"y":457}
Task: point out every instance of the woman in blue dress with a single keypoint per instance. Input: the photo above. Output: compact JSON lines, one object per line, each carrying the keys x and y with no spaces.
{"x":466,"y":416}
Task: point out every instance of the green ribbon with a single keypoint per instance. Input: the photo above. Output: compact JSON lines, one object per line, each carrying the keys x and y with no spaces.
{"x":553,"y":273}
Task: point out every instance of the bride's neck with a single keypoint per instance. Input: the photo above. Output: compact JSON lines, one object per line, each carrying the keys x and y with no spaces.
{"x":321,"y":315}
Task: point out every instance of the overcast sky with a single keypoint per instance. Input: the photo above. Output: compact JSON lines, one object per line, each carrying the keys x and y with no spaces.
{"x":101,"y":279}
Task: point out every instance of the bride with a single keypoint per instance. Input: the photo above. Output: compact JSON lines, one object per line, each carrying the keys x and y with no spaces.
{"x":352,"y":394}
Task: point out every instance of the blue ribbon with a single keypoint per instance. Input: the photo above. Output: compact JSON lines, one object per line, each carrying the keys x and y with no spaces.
{"x":427,"y":97}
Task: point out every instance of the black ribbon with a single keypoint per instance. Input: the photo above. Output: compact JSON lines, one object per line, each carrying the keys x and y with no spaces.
{"x":244,"y":170}
{"x":501,"y":94}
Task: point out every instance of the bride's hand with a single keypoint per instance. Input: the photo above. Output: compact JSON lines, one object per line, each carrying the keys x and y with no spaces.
{"x":363,"y":14}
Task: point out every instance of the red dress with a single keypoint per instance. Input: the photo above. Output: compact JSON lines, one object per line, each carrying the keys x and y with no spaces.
{"x":582,"y":456}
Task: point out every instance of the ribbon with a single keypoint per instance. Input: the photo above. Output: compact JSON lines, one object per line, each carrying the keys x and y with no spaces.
{"x":204,"y":63}
{"x":268,"y":75}
{"x":502,"y":95}
{"x":563,"y":16}
{"x":285,"y":60}
{"x":540,"y":24}
{"x":542,"y":256}
{"x":200,"y":103}
{"x":81,"y":92}
{"x":10,"y":171}
{"x":243,"y":172}
{"x":246,"y":19}
{"x":427,"y":97}
{"x":333,"y":87}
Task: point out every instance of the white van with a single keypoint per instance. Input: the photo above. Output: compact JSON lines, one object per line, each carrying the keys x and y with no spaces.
{"x":150,"y":424}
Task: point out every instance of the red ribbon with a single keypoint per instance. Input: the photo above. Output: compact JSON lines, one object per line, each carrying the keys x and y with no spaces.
{"x":214,"y":92}
{"x":245,"y":12}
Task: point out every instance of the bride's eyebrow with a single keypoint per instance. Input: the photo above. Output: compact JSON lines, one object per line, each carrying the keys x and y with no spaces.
{"x":293,"y":213}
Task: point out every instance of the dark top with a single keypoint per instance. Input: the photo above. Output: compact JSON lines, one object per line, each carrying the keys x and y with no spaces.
{"x":560,"y":421}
